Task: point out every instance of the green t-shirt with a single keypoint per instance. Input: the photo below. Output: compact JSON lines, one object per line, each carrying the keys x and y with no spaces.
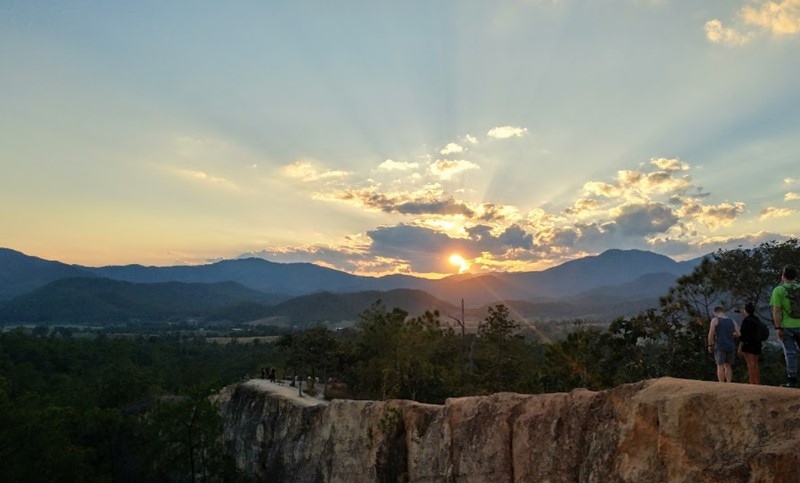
{"x":781,"y":299}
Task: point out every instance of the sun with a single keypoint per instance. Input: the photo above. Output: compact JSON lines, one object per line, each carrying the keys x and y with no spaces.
{"x":458,"y":260}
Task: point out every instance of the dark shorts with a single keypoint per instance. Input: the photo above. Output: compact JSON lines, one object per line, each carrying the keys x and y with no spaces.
{"x":724,"y":357}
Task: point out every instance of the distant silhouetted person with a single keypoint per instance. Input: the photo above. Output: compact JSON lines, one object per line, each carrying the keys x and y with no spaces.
{"x":750,"y":343}
{"x":787,"y":327}
{"x":721,"y":343}
{"x":272,"y":374}
{"x":263,"y":373}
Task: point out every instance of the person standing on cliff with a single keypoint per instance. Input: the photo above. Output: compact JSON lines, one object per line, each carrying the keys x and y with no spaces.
{"x":787,"y":328}
{"x":750,"y":344}
{"x":721,"y":343}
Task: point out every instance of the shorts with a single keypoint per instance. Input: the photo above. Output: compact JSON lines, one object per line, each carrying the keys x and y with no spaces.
{"x":724,"y":357}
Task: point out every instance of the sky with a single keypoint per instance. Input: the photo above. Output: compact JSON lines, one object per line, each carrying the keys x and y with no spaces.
{"x":385,"y":137}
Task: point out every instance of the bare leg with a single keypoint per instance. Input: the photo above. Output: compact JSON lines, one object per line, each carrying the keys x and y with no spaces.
{"x":728,"y":373}
{"x":753,"y":372}
{"x":720,"y":373}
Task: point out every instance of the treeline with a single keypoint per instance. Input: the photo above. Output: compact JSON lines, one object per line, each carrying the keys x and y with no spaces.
{"x":116,"y":409}
{"x":388,"y":355}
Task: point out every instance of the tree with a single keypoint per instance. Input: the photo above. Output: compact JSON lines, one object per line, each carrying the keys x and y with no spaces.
{"x":317,"y":346}
{"x":501,"y":351}
{"x":184,"y":434}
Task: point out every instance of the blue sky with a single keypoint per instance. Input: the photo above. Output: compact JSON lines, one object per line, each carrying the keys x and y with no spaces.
{"x":382,"y":137}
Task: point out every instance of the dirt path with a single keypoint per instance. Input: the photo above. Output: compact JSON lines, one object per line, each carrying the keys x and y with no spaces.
{"x":284,"y":390}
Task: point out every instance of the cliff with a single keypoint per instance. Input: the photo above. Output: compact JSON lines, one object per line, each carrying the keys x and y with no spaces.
{"x":658,"y":430}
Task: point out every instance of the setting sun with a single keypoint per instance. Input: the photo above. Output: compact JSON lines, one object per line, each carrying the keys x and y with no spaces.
{"x":458,"y":260}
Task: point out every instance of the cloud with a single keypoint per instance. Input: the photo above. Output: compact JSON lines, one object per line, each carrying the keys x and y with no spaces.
{"x":718,"y":34}
{"x":390,"y":165}
{"x":207,"y":178}
{"x":712,"y":216}
{"x":515,"y":237}
{"x":780,"y":18}
{"x":644,"y":219}
{"x":446,"y":168}
{"x":772,"y":212}
{"x":505,"y":132}
{"x":426,"y":250}
{"x":307,"y":171}
{"x":638,"y":185}
{"x":791,"y":196}
{"x":471,"y":139}
{"x":451,"y":148}
{"x":404,"y":203}
{"x":423,"y":249}
{"x":789,"y":180}
{"x":582,"y":206}
{"x":669,"y":165}
{"x":709,"y":244}
{"x":653,"y":205}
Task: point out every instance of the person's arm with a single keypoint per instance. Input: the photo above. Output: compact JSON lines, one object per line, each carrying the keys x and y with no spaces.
{"x":712,"y":332}
{"x":736,"y":331}
{"x":777,"y":316}
{"x":777,"y":321}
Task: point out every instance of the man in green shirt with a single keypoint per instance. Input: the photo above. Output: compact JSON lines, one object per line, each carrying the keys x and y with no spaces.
{"x":787,"y":328}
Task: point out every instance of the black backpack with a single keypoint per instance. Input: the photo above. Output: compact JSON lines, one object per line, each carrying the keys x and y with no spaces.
{"x":793,"y":294}
{"x":762,"y":331}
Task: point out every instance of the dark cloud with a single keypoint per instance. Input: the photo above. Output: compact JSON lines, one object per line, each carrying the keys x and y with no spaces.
{"x":645,"y":219}
{"x":425,"y":250}
{"x":479,"y":232}
{"x":395,"y":204}
{"x":582,"y":205}
{"x":492,"y":212}
{"x":516,"y":237}
{"x":441,"y":207}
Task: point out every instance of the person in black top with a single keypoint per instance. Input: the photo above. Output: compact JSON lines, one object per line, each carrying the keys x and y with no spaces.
{"x":750,"y":344}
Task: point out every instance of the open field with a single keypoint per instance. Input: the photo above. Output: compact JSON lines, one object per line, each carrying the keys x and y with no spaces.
{"x":264,"y":339}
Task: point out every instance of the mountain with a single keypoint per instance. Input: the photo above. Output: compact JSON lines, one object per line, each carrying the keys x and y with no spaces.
{"x":104,"y":301}
{"x":20,"y":273}
{"x":256,"y":273}
{"x":335,"y":308}
{"x":621,"y":281}
{"x":612,"y":267}
{"x":649,"y":286}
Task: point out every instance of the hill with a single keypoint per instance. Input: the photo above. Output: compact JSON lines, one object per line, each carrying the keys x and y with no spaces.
{"x":255,"y":273}
{"x":20,"y":273}
{"x":103,"y":301}
{"x":344,"y":308}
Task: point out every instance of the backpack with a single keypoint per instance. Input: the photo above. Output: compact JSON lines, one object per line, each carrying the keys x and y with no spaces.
{"x":762,"y":331}
{"x":793,"y":294}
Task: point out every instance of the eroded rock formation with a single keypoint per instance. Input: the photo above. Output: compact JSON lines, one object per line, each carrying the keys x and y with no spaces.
{"x":659,"y":430}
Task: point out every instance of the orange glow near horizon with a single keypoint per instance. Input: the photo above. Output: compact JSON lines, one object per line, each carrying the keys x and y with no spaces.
{"x":459,"y":261}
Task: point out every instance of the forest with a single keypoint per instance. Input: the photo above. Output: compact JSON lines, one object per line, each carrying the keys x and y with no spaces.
{"x":139,"y":408}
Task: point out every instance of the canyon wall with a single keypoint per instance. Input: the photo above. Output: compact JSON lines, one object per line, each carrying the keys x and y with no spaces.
{"x":665,"y":429}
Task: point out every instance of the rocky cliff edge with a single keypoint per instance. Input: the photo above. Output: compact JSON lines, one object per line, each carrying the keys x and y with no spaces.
{"x":665,"y":429}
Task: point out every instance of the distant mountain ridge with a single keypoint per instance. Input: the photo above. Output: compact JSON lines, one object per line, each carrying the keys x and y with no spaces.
{"x":20,"y":273}
{"x":95,"y":300}
{"x":614,"y":280}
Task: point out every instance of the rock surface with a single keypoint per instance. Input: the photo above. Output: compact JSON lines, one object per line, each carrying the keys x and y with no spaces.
{"x":665,"y":429}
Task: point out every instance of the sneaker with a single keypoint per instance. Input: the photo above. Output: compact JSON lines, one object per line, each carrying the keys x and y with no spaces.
{"x":792,"y":382}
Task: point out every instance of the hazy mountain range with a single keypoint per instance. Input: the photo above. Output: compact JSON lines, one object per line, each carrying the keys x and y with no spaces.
{"x":33,"y":290}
